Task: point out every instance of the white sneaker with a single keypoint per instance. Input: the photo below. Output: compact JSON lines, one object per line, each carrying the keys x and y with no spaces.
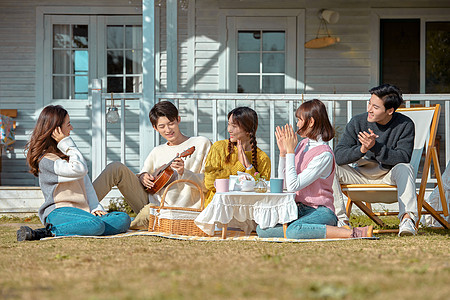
{"x":343,"y":224}
{"x":407,"y":227}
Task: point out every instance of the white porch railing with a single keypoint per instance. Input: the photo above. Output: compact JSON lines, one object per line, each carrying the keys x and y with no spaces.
{"x":205,"y":114}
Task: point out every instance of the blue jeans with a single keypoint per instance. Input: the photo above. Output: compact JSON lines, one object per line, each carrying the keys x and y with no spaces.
{"x":74,"y":221}
{"x":311,"y":224}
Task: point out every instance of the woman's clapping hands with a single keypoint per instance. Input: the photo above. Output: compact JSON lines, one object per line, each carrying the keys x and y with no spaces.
{"x":286,"y":139}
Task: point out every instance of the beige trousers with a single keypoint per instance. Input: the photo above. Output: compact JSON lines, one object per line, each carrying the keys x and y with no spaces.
{"x":117,"y":174}
{"x":401,"y":175}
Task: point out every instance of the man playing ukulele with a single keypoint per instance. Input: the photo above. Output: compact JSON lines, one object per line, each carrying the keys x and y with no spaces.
{"x":165,"y":119}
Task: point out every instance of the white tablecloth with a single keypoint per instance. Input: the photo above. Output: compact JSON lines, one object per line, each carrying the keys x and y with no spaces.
{"x":242,"y":210}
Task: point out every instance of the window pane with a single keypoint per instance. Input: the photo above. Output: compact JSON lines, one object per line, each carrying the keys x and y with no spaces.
{"x":248,"y":84}
{"x":61,"y":36}
{"x":273,"y":84}
{"x":81,"y":62}
{"x":437,"y":57}
{"x":133,"y":37}
{"x":400,"y":53}
{"x":115,"y":85}
{"x":61,"y":62}
{"x":115,"y":62}
{"x":273,"y":41}
{"x":115,"y":37}
{"x":80,"y":36}
{"x":80,"y":87}
{"x":248,"y":62}
{"x":61,"y":88}
{"x":133,"y":62}
{"x":134,"y":84}
{"x":249,"y":40}
{"x":273,"y":62}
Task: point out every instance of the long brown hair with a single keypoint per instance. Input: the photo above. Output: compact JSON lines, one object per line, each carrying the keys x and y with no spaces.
{"x":315,"y":109}
{"x":247,"y":119}
{"x":41,"y":141}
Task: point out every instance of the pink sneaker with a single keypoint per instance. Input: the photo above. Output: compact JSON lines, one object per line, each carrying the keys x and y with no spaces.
{"x":362,"y":232}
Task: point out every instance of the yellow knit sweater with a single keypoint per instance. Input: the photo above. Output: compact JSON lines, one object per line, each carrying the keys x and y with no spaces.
{"x":216,"y":167}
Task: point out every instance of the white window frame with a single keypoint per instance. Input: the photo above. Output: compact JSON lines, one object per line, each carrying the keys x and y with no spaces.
{"x":50,"y":20}
{"x":41,"y":12}
{"x":424,"y":14}
{"x":228,"y":18}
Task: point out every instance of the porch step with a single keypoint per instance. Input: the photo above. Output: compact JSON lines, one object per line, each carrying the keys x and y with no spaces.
{"x":23,"y":201}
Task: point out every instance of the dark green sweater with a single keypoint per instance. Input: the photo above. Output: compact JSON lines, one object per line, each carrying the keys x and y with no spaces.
{"x":393,"y":146}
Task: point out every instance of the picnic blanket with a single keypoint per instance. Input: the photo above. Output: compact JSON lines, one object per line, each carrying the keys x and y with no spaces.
{"x":232,"y":235}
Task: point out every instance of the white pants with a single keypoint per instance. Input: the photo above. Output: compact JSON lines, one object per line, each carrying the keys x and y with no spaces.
{"x":400,"y":175}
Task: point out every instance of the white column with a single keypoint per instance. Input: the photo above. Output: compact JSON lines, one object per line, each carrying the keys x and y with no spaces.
{"x":146,"y":132}
{"x":98,"y":132}
{"x":172,"y":45}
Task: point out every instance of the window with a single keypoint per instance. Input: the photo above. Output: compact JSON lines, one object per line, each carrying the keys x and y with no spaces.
{"x":86,"y":47}
{"x":262,"y":53}
{"x":124,"y":52}
{"x":261,"y":61}
{"x":70,"y":74}
{"x":437,"y":57}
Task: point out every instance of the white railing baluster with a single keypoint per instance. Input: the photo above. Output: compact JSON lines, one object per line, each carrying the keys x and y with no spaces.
{"x":214,"y":121}
{"x":349,"y":110}
{"x":196,"y":117}
{"x":103,"y":143}
{"x":272,"y":138}
{"x":447,"y":131}
{"x":331,"y":117}
{"x":291,"y":111}
{"x":122,"y":131}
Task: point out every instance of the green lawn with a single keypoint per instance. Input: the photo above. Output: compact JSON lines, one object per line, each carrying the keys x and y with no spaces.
{"x":156,"y":268}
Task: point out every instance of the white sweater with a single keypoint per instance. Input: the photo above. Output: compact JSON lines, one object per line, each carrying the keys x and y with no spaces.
{"x":183,"y":195}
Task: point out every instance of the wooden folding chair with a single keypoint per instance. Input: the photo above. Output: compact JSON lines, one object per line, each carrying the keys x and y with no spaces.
{"x":426,"y":120}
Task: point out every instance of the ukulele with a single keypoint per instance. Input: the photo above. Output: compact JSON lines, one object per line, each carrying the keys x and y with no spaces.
{"x":164,"y":174}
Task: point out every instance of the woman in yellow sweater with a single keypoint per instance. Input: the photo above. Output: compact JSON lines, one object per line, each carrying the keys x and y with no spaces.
{"x":238,"y":153}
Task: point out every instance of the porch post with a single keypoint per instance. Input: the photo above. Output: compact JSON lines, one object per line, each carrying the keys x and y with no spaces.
{"x":146,"y":132}
{"x":98,"y":134}
{"x":172,"y":45}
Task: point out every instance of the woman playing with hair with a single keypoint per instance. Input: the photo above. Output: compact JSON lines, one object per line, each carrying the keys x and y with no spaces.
{"x":71,"y":206}
{"x":238,"y":153}
{"x":308,"y":169}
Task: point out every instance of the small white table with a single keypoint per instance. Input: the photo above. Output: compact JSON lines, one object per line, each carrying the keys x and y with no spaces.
{"x":246,"y":209}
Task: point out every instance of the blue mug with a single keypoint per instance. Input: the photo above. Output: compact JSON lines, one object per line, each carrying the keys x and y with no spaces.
{"x":276,"y":185}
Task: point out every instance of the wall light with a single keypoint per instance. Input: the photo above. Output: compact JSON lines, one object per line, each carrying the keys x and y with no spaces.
{"x":325,"y":16}
{"x":112,"y":116}
{"x":331,"y":16}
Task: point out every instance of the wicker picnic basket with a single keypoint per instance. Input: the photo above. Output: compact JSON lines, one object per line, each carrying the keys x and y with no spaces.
{"x":176,"y":220}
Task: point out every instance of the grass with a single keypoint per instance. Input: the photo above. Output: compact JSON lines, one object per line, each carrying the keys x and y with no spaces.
{"x":157,"y":268}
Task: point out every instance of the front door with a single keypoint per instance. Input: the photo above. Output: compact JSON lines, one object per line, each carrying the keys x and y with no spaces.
{"x":79,"y":48}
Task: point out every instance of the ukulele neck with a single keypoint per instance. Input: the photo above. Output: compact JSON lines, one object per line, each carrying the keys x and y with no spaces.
{"x":168,"y":165}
